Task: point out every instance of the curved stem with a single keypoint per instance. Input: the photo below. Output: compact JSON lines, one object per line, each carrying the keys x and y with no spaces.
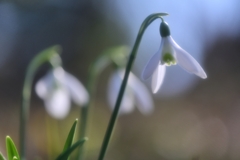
{"x":95,"y":69}
{"x":112,"y":121}
{"x":45,"y":56}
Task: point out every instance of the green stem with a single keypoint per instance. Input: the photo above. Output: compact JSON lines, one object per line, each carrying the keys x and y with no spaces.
{"x":85,"y":109}
{"x":95,"y":69}
{"x":49,"y":142}
{"x":45,"y":56}
{"x":112,"y":121}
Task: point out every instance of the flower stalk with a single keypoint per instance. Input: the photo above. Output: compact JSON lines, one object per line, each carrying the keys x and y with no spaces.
{"x":113,"y":118}
{"x":85,"y":109}
{"x":104,"y":60}
{"x":49,"y":55}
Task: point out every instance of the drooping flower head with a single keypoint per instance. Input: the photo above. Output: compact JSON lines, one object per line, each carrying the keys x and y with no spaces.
{"x":57,"y":88}
{"x":135,"y":95}
{"x":169,"y":53}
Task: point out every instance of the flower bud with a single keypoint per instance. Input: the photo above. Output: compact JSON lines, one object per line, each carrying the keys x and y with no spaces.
{"x":164,"y":29}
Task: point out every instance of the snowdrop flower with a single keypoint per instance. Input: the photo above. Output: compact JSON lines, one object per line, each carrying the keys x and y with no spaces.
{"x":136,"y":94}
{"x":57,"y":88}
{"x":169,"y":53}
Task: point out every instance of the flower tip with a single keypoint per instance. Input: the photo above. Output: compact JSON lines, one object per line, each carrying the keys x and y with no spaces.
{"x":202,"y":75}
{"x":155,"y":90}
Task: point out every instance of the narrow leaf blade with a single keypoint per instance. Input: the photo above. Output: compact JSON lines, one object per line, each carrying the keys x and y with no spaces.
{"x":11,"y":149}
{"x":2,"y":157}
{"x":70,"y":137}
{"x":64,"y":155}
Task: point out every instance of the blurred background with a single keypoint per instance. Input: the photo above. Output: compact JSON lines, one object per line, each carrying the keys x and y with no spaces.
{"x":193,"y":118}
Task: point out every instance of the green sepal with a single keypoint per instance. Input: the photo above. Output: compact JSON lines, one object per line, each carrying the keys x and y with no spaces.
{"x":118,"y":55}
{"x":64,"y":155}
{"x":164,"y":29}
{"x":2,"y":157}
{"x":11,"y":149}
{"x":70,"y":137}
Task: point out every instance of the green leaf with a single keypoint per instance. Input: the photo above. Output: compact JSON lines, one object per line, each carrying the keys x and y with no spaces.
{"x":12,"y":152}
{"x":64,"y":155}
{"x":15,"y":158}
{"x":2,"y":157}
{"x":70,"y":137}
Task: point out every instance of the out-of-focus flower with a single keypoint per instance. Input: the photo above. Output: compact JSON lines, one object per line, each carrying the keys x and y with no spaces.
{"x":169,"y":53}
{"x":57,"y":88}
{"x":136,"y":94}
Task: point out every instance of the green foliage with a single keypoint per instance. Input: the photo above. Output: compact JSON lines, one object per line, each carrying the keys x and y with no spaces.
{"x":15,"y":158}
{"x":64,"y":155}
{"x":2,"y":157}
{"x":70,"y":137}
{"x":12,"y":152}
{"x":68,"y":147}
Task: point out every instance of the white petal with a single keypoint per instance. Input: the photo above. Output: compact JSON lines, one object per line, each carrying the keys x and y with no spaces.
{"x":58,"y":104}
{"x":41,"y":88}
{"x":58,"y":73}
{"x":44,"y":85}
{"x":152,"y":64}
{"x":143,"y":99}
{"x":77,"y":91}
{"x":187,"y":62}
{"x":127,"y":104}
{"x":157,"y":78}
